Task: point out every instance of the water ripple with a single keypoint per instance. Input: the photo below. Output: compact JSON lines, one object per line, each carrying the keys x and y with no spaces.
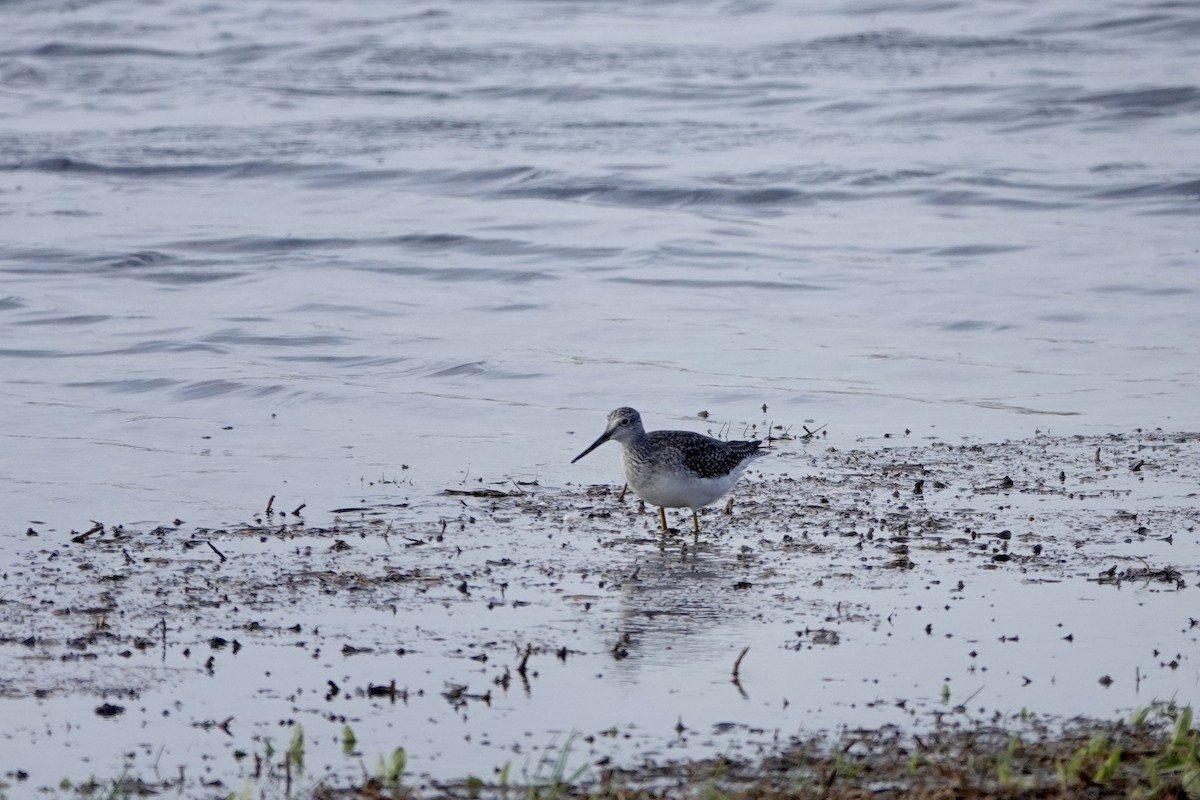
{"x":695,"y":283}
{"x":463,"y":274}
{"x":77,"y":50}
{"x":128,"y":385}
{"x":235,"y":336}
{"x":71,"y":320}
{"x":1153,"y":100}
{"x":1188,"y":189}
{"x":626,"y":193}
{"x":202,"y":390}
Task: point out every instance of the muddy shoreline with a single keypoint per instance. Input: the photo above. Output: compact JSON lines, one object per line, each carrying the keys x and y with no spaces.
{"x":872,"y":589}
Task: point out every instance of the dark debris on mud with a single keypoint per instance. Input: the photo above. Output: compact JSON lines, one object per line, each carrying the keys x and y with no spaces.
{"x":1045,"y":509}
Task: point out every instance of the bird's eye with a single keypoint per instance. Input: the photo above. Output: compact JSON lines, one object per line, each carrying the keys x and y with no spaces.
{"x":625,"y":422}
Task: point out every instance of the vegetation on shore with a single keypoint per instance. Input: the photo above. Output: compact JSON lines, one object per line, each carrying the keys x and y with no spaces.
{"x":1155,"y":755}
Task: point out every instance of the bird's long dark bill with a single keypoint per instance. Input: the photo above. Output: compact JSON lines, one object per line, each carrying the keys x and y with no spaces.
{"x":603,"y":438}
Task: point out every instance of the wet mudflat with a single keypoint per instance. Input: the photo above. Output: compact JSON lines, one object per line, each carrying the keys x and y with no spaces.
{"x":864,"y":615}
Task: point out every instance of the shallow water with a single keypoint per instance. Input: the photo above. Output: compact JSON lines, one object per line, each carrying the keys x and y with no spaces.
{"x":544,"y":618}
{"x":354,"y":252}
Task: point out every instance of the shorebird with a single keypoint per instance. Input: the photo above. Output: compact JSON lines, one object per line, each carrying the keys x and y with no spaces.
{"x":675,"y":469}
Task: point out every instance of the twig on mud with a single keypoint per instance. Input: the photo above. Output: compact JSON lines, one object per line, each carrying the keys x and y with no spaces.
{"x":270,"y":504}
{"x":963,"y":705}
{"x":810,"y":434}
{"x":1147,"y":573}
{"x":785,"y":435}
{"x":389,"y":691}
{"x":97,"y":527}
{"x":524,"y":660}
{"x":619,"y":650}
{"x":299,"y":508}
{"x":476,"y":493}
{"x":218,"y":552}
{"x":737,"y":665}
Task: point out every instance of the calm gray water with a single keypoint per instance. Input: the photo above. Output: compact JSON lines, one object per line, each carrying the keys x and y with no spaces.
{"x":254,"y":249}
{"x":364,"y":234}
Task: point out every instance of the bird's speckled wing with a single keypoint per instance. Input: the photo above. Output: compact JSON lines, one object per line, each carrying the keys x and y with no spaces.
{"x":712,"y":458}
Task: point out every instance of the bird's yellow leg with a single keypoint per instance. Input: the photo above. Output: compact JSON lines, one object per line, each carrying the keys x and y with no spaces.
{"x":695,"y":522}
{"x":662,"y":517}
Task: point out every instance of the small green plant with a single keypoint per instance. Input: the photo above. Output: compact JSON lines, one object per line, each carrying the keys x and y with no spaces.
{"x":1099,"y":757}
{"x":474,"y":786}
{"x":844,"y":768}
{"x":114,"y":789}
{"x":502,"y":780}
{"x":1180,"y":758}
{"x":945,"y":693}
{"x":719,"y":767}
{"x":295,"y":751}
{"x":1004,"y":764}
{"x":1108,"y":767}
{"x":554,"y":786}
{"x":711,"y":789}
{"x":388,"y":771}
{"x":348,"y":740}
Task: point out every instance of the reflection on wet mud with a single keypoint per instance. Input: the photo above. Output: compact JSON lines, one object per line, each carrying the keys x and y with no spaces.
{"x":911,"y":584}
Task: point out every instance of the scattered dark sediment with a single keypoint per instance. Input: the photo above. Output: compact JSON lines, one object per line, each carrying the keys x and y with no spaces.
{"x":460,"y":611}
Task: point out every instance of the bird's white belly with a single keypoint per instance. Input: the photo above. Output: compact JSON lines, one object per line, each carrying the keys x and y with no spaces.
{"x":677,"y":489}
